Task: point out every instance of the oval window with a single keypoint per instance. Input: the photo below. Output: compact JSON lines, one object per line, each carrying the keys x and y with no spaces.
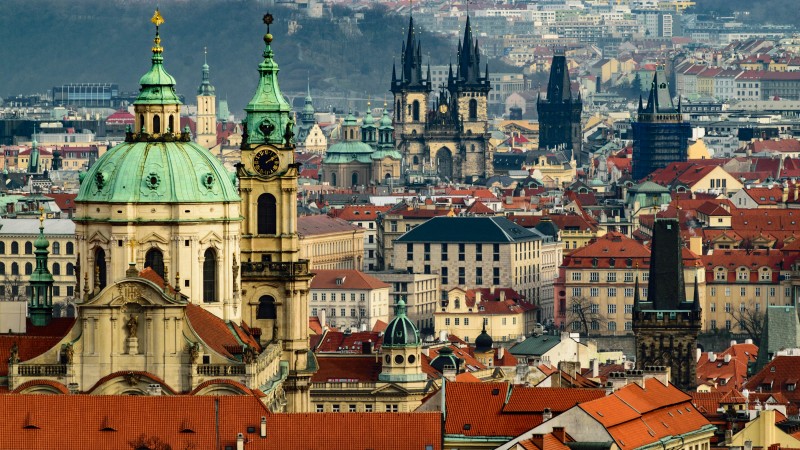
{"x":398,"y":359}
{"x":411,"y":359}
{"x":388,"y":359}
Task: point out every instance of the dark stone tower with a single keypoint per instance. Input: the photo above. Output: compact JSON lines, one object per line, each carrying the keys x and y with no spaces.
{"x":560,"y":113}
{"x":666,"y":325}
{"x":660,"y":136}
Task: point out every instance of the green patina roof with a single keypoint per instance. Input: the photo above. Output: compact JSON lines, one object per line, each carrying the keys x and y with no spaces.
{"x":369,"y":121}
{"x":379,"y":154}
{"x":401,"y":331}
{"x":535,"y":345}
{"x":268,"y":111}
{"x":386,"y":121}
{"x":158,"y":87}
{"x":163,"y":172}
{"x":350,"y":120}
{"x":648,"y":187}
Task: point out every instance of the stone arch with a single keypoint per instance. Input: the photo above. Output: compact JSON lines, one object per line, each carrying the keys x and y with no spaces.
{"x":415,"y":160}
{"x":100,"y":265}
{"x":154,"y":259}
{"x":141,"y":122}
{"x":171,"y":126}
{"x":333,"y":178}
{"x":210,"y":275}
{"x":444,"y":163}
{"x":266,"y":308}
{"x":156,"y":124}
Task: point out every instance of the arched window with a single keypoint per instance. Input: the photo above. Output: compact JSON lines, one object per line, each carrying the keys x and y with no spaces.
{"x":397,"y":111}
{"x":473,"y":109}
{"x":15,"y":248}
{"x":333,"y":179}
{"x":70,"y":248}
{"x":355,"y":179}
{"x":14,"y":269}
{"x":100,"y":266}
{"x":266,"y":308}
{"x":28,"y":248}
{"x":56,"y":269}
{"x":70,"y":269}
{"x":458,"y":303}
{"x":141,"y":121}
{"x":416,"y":159}
{"x":267,"y":214}
{"x":28,"y":268}
{"x":156,"y":124}
{"x":2,"y":269}
{"x":171,"y":123}
{"x":56,"y":250}
{"x":2,"y":248}
{"x":415,"y":110}
{"x":154,"y":259}
{"x":210,"y":276}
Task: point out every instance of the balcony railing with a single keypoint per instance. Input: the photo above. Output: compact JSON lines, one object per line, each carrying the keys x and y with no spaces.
{"x":219,"y":370}
{"x":42,"y":370}
{"x":274,"y":269}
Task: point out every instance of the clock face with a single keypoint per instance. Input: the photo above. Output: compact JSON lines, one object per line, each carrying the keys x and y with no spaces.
{"x":442,"y":109}
{"x":266,"y":161}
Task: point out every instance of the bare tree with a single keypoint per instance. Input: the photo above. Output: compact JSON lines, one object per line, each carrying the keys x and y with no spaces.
{"x":750,"y":320}
{"x":12,"y":288}
{"x":583,"y":311}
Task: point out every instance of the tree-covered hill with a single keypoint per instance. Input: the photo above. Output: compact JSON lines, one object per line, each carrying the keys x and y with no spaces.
{"x":779,"y":12}
{"x":49,"y":42}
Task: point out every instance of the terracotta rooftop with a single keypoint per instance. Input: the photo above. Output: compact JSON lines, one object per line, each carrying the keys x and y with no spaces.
{"x":361,"y":368}
{"x":358,"y":213}
{"x":35,"y":341}
{"x":323,"y":224}
{"x":345,"y":279}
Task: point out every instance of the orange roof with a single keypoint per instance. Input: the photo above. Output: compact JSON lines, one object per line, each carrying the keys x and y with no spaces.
{"x":217,"y":334}
{"x":346,"y":279}
{"x":558,"y":400}
{"x":610,"y":246}
{"x":347,"y":368}
{"x":340,"y":342}
{"x":478,"y":207}
{"x":636,"y":416}
{"x":358,"y":213}
{"x":36,"y":341}
{"x":323,"y":224}
{"x":729,"y":375}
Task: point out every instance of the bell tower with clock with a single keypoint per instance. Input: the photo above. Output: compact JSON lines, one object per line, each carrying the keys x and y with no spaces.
{"x":275,"y":282}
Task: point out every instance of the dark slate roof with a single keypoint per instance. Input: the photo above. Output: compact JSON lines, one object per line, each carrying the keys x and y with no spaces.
{"x":781,"y":330}
{"x":508,"y":161}
{"x":469,"y":229}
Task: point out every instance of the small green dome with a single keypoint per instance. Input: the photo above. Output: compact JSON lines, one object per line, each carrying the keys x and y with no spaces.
{"x":157,"y":86}
{"x":386,"y":121}
{"x":446,"y":358}
{"x":484,"y":342}
{"x":41,"y":242}
{"x":401,"y":331}
{"x":369,"y":121}
{"x":354,"y":147}
{"x":158,"y":172}
{"x":350,"y":120}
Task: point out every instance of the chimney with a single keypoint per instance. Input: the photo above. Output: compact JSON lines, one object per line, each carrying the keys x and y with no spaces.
{"x":712,"y":357}
{"x":263,"y":426}
{"x":443,"y":335}
{"x":748,"y":341}
{"x":491,"y":290}
{"x":748,"y":445}
{"x":501,"y":352}
{"x":239,"y":441}
{"x":502,"y":295}
{"x":698,"y":352}
{"x":538,"y":440}
{"x":696,"y":244}
{"x":595,"y":365}
{"x":426,"y":351}
{"x":733,"y":342}
{"x":154,"y":389}
{"x":560,"y":434}
{"x":449,"y":373}
{"x":547,"y":414}
{"x":321,"y":317}
{"x":727,"y":359}
{"x":636,"y":376}
{"x":570,"y":367}
{"x":477,"y":296}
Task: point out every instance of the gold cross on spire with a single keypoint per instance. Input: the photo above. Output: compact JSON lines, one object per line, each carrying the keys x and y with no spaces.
{"x":157,"y":18}
{"x":41,"y":216}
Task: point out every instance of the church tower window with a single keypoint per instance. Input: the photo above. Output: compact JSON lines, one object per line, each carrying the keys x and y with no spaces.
{"x":267,"y":214}
{"x":210,"y":276}
{"x":171,"y":123}
{"x":355,"y":179}
{"x":155,"y":260}
{"x":100,"y":266}
{"x":415,"y":111}
{"x":473,"y":109}
{"x":266,"y":308}
{"x":156,"y":124}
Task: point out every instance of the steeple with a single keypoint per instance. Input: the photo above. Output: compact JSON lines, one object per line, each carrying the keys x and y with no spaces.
{"x":558,"y":86}
{"x":40,"y":304}
{"x":33,"y":161}
{"x":660,"y":100}
{"x":157,"y":86}
{"x":696,"y":302}
{"x":468,"y":65}
{"x":411,"y":78}
{"x":206,"y":88}
{"x":636,"y":300}
{"x":268,"y":112}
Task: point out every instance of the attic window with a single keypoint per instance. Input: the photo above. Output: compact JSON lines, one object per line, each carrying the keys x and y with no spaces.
{"x":30,"y":427}
{"x":772,"y":369}
{"x":495,"y":391}
{"x":187,"y":430}
{"x":600,"y":414}
{"x":467,"y":426}
{"x":251,"y":429}
{"x":340,"y":281}
{"x":107,"y":428}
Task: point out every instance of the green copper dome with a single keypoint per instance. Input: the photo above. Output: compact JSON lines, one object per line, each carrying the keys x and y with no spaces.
{"x":158,"y":172}
{"x":401,"y":331}
{"x":158,"y":87}
{"x":446,"y":359}
{"x":386,"y":121}
{"x":350,"y":120}
{"x":369,"y":121}
{"x":268,"y":112}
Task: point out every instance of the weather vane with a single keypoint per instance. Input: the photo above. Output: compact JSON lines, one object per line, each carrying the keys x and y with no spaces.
{"x":268,"y":19}
{"x":157,"y":19}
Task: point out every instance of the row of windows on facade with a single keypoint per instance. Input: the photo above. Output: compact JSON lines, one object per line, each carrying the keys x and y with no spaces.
{"x":13,"y":291}
{"x":413,"y":110}
{"x":342,"y":296}
{"x":462,"y":275}
{"x":367,"y":408}
{"x":362,"y":312}
{"x":55,"y":270}
{"x":55,"y":248}
{"x":595,"y":326}
{"x":610,"y":277}
{"x":444,"y":253}
{"x":457,"y":321}
{"x":771,"y":291}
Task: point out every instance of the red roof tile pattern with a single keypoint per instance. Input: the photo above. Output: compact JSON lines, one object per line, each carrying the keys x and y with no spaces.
{"x":340,"y":342}
{"x":346,"y":279}
{"x":729,"y":375}
{"x":221,"y":337}
{"x":358,"y":213}
{"x":610,"y":246}
{"x":140,"y":373}
{"x":547,"y":442}
{"x":777,"y":378}
{"x":558,"y":400}
{"x":636,"y":416}
{"x":323,"y":224}
{"x":35,"y":341}
{"x":53,"y":384}
{"x":346,"y":431}
{"x":88,"y":421}
{"x":335,"y":368}
{"x":239,"y":386}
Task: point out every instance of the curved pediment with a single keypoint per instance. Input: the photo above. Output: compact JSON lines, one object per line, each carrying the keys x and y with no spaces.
{"x":138,"y":291}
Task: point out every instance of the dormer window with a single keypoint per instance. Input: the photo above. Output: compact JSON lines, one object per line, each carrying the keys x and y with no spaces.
{"x":340,"y":281}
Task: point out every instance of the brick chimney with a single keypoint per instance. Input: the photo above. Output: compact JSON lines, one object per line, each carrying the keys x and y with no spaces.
{"x":560,"y":434}
{"x":538,"y":440}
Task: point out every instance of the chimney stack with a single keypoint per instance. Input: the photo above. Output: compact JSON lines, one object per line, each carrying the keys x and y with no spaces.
{"x":712,"y":357}
{"x":538,"y":440}
{"x":263,"y":426}
{"x":477,"y":296}
{"x":547,"y":414}
{"x":560,"y":434}
{"x":239,"y":441}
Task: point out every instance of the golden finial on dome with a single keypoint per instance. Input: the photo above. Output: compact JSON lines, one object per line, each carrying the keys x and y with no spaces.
{"x":157,"y":19}
{"x":41,"y":217}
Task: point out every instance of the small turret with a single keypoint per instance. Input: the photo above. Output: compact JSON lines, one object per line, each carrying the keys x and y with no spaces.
{"x":40,"y":304}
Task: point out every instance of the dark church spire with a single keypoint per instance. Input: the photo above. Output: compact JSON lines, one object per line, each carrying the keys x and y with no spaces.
{"x":410,"y":64}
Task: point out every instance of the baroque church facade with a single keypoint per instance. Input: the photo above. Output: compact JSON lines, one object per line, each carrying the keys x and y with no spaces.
{"x":187,"y":285}
{"x":443,"y":135}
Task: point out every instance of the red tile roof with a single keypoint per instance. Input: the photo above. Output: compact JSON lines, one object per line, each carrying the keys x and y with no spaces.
{"x":216,"y":334}
{"x":350,"y":280}
{"x":558,"y":400}
{"x":363,"y":368}
{"x":323,"y":224}
{"x":358,"y":213}
{"x":36,"y":341}
{"x":339,"y":342}
{"x":479,"y":208}
{"x":610,"y":246}
{"x":89,"y":421}
{"x":732,"y":373}
{"x":776,"y":377}
{"x":635,"y":417}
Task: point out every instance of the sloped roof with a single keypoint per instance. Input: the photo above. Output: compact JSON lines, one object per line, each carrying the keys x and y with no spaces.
{"x":363,"y":368}
{"x":340,"y":342}
{"x":346,"y":279}
{"x":733,"y":372}
{"x":36,"y":340}
{"x":219,"y":336}
{"x":556,"y":399}
{"x":323,"y":224}
{"x":535,"y":345}
{"x":468,"y":229}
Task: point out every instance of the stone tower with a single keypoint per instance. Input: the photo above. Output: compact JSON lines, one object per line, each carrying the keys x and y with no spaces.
{"x":660,"y":136}
{"x":560,"y":113}
{"x":665,"y":324}
{"x":206,"y":110}
{"x":275,"y":281}
{"x":410,"y":88}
